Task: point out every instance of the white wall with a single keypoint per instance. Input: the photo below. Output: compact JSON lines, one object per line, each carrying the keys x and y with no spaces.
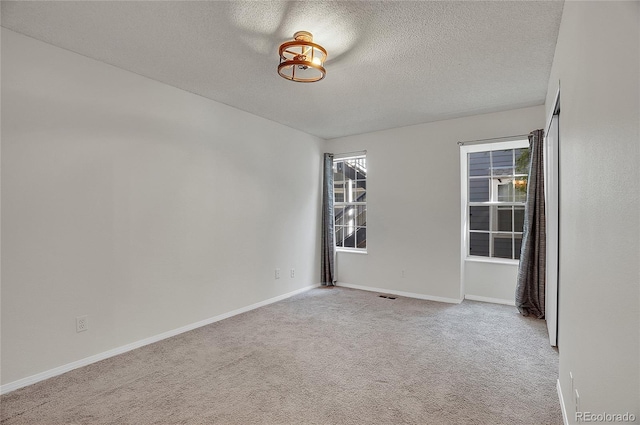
{"x":490,"y":281}
{"x":597,"y":64}
{"x":145,"y":207}
{"x":413,"y":201}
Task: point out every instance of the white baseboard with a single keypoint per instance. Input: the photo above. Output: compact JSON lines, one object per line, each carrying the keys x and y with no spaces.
{"x":490,"y":300}
{"x":565,"y":419}
{"x":11,"y":386}
{"x":401,"y":293}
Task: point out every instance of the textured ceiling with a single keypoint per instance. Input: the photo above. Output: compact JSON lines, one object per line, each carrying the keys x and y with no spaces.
{"x":390,"y":63}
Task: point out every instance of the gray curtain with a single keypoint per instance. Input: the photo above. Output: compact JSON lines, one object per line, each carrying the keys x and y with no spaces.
{"x":327,"y":277}
{"x":532,"y":269}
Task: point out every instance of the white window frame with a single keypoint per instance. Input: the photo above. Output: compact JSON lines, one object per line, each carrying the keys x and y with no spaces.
{"x":339,"y":158}
{"x":465,"y":150}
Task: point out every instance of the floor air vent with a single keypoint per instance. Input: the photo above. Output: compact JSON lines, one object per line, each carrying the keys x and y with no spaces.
{"x":389,"y":297}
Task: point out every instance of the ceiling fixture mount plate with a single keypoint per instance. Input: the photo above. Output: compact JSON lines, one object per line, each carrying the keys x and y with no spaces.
{"x":302,"y":60}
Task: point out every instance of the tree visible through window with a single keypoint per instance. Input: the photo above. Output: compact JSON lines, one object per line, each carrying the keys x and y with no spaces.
{"x":350,"y":202}
{"x":496,"y":193}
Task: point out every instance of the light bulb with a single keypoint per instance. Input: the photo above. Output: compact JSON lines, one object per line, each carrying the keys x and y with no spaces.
{"x":316,"y":60}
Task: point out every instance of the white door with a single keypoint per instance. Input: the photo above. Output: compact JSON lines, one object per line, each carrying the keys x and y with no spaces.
{"x":551,"y":189}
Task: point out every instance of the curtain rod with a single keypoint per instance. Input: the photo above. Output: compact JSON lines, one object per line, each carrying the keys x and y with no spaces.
{"x":493,"y":139}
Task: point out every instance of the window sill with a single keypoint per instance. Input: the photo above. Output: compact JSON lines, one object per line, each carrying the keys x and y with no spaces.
{"x":492,"y":260}
{"x":352,"y":251}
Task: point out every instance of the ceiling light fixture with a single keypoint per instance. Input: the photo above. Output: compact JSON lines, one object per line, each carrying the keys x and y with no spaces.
{"x":302,"y":60}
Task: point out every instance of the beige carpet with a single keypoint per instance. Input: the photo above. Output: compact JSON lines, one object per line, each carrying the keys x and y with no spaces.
{"x":328,"y":356}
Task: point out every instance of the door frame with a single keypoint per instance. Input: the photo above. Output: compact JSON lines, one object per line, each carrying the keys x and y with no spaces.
{"x":552,"y":207}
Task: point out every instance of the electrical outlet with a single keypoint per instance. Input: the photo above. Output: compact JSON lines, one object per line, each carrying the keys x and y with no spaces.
{"x":292,"y":273}
{"x":82,"y":323}
{"x":277,"y":274}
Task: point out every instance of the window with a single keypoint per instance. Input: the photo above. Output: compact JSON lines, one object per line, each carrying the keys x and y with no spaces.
{"x":494,"y":188}
{"x":350,"y":202}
